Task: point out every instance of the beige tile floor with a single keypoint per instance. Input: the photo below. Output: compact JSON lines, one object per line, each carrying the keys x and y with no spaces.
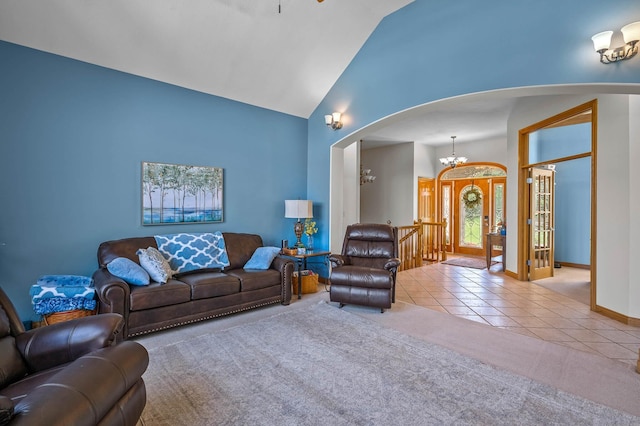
{"x":491,"y":297}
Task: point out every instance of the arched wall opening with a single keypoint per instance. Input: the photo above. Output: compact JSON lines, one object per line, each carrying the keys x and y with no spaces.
{"x":343,"y":205}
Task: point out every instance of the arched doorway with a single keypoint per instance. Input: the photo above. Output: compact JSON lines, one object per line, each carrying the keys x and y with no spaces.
{"x":472,"y":199}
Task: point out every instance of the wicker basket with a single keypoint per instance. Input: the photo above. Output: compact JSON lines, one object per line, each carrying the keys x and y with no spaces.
{"x":309,"y":284}
{"x":67,"y":315}
{"x":290,"y":251}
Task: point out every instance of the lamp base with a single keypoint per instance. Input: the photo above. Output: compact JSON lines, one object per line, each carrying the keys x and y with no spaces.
{"x":297,"y":229}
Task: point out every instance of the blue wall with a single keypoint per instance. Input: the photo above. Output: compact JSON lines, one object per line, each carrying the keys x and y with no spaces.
{"x":73,"y":137}
{"x":432,"y":50}
{"x":573,"y":212}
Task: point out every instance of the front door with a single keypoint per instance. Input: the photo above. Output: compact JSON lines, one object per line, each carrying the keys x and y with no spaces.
{"x":471,"y":219}
{"x":472,"y":202}
{"x":541,"y":229}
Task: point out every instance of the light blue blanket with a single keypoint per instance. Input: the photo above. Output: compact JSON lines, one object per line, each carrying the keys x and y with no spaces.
{"x":60,"y":286}
{"x":39,"y":292}
{"x":65,"y":281}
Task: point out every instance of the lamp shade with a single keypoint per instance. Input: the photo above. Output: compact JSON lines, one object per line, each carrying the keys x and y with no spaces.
{"x":631,"y":32}
{"x":602,"y":41}
{"x":298,"y":209}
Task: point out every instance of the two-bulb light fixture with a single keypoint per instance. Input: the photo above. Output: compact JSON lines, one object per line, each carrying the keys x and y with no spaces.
{"x":452,"y":160}
{"x":608,"y":55}
{"x":333,"y":120}
{"x":366,"y":176}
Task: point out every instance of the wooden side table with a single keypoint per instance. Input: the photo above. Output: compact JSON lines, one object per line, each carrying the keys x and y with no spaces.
{"x":495,"y":239}
{"x":301,"y":263}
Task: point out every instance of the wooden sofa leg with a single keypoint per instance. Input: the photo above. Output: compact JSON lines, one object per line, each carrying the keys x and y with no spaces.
{"x":341,"y":305}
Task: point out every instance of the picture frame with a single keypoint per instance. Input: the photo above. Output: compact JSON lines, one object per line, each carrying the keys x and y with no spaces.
{"x":181,"y":194}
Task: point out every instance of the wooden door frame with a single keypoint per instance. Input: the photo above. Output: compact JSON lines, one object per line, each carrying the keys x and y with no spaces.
{"x":453,"y":189}
{"x":524,"y":202}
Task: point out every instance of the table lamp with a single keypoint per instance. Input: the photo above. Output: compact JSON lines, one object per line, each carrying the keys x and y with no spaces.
{"x":298,"y":209}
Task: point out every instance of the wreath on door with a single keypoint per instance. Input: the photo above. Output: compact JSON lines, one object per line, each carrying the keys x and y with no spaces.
{"x":472,"y":198}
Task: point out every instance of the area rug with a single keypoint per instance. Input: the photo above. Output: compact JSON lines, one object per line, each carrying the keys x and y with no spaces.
{"x":321,"y":365}
{"x":469,"y":262}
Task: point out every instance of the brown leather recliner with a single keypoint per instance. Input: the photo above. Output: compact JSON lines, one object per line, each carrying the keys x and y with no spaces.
{"x":365,"y":272}
{"x":69,"y":373}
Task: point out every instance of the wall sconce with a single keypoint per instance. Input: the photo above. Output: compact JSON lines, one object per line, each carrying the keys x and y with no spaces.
{"x":602,"y":41}
{"x":298,"y":209}
{"x":333,"y":120}
{"x":365,"y":176}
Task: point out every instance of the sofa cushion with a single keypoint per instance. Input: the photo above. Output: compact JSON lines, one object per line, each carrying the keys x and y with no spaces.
{"x":262,"y":258}
{"x":155,"y":264}
{"x":126,"y":247}
{"x":20,"y":389}
{"x":211,"y":284}
{"x":155,"y":295}
{"x":193,"y":251}
{"x":255,"y":279}
{"x":129,"y":271}
{"x":366,"y":277}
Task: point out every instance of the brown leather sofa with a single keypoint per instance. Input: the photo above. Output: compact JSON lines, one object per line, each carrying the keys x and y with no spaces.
{"x":193,"y":296}
{"x":69,"y":373}
{"x":365,"y":273}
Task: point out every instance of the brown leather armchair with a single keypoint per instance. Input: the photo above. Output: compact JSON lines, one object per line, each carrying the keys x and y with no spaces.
{"x":69,"y":373}
{"x":365,"y":272}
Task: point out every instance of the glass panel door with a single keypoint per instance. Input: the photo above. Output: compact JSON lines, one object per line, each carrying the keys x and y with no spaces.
{"x":498,"y":206}
{"x":471,"y":207}
{"x":471,"y":221}
{"x":541,"y":250}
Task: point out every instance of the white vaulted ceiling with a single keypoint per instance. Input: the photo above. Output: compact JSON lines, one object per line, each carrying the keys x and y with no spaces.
{"x":245,"y":50}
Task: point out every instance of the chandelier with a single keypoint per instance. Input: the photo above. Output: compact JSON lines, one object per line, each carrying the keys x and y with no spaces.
{"x":365,"y":176}
{"x":452,"y":160}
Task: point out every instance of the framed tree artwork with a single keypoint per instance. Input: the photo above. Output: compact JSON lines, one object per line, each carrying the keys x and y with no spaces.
{"x":173,"y":193}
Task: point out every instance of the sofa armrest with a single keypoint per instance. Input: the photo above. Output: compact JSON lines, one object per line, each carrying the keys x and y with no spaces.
{"x":113,"y":293}
{"x":338,"y":260}
{"x":86,"y":390}
{"x":63,"y":342}
{"x":392,"y":264}
{"x":285,"y":267}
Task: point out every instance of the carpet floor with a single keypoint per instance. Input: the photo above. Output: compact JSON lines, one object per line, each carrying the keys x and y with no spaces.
{"x":312,"y":363}
{"x":571,"y":282}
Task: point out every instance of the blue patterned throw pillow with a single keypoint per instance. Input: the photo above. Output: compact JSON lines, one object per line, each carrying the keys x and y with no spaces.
{"x":262,"y":258}
{"x":191,"y":251}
